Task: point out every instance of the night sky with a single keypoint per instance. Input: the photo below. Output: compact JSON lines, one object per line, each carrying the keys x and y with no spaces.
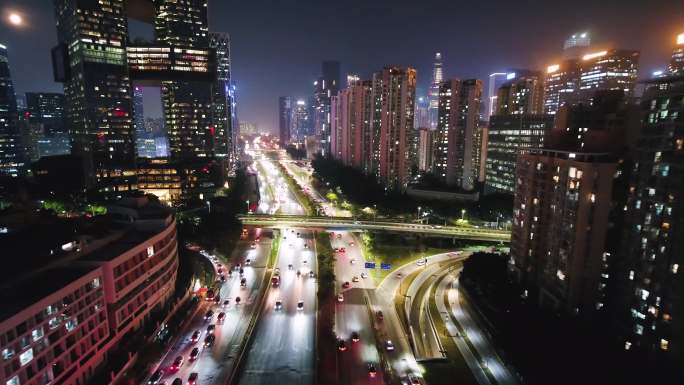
{"x":277,"y":46}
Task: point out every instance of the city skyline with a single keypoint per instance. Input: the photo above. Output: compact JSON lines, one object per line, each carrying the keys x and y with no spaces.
{"x":528,"y":45}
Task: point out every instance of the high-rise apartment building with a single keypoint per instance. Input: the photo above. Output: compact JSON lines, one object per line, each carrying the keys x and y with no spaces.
{"x":351,"y":120}
{"x":496,"y":80}
{"x":433,"y":94}
{"x":608,"y":70}
{"x":45,"y":112}
{"x":11,"y":149}
{"x":523,"y":93}
{"x":652,"y":278}
{"x":301,"y":121}
{"x":285,"y":112}
{"x":395,"y":89}
{"x":325,"y":87}
{"x":91,"y":61}
{"x":459,"y":135}
{"x":560,"y":219}
{"x":422,"y":118}
{"x":426,"y":148}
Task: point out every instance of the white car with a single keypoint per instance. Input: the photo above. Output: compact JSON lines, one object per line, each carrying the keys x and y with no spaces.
{"x":340,"y":298}
{"x":352,"y":261}
{"x":420,"y":262}
{"x":389,"y":346}
{"x":364,"y":275}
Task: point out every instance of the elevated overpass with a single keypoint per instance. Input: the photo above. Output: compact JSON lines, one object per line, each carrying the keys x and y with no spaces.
{"x":470,"y":233}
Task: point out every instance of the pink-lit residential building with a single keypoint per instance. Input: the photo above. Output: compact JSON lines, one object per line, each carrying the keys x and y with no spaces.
{"x":58,"y":321}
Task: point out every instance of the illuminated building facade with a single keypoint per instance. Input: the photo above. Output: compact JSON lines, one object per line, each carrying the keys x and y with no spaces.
{"x":459,"y":135}
{"x":608,"y":70}
{"x":46,"y":110}
{"x":561,"y":85}
{"x":301,"y":121}
{"x":433,"y":94}
{"x":222,"y":103}
{"x":11,"y":154}
{"x":91,"y":61}
{"x":496,"y":80}
{"x":560,"y":219}
{"x":350,"y":118}
{"x":81,"y":299}
{"x":523,"y":93}
{"x":325,"y":87}
{"x":653,"y":275}
{"x":426,"y":148}
{"x":285,"y":111}
{"x":509,"y":136}
{"x":395,"y":90}
{"x":677,"y":63}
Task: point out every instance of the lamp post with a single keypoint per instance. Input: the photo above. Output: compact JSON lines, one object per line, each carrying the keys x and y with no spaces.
{"x":463,"y":211}
{"x":419,"y":212}
{"x":247,"y":206}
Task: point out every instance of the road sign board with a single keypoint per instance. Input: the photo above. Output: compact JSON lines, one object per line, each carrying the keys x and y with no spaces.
{"x":370,"y":265}
{"x":386,"y":266}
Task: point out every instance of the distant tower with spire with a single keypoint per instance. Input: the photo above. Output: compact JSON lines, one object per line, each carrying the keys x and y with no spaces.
{"x":433,"y":95}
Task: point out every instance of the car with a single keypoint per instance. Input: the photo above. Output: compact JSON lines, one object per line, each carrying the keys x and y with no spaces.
{"x":346,"y":285}
{"x":412,"y":379}
{"x":210,"y":295}
{"x":237,"y":301}
{"x":254,"y":245}
{"x":341,"y":345}
{"x":298,"y":235}
{"x":243,"y":282}
{"x":352,"y":261}
{"x":300,"y":305}
{"x":177,"y":363}
{"x":339,"y":236}
{"x":211,"y":328}
{"x":340,"y":298}
{"x":242,"y":272}
{"x":311,"y":274}
{"x":372,"y":372}
{"x":194,"y":353}
{"x":278,"y":304}
{"x":304,"y":262}
{"x":217,"y":299}
{"x":351,"y":243}
{"x":177,"y":381}
{"x":276,"y":271}
{"x":248,"y":261}
{"x":195,"y":336}
{"x":208,"y":315}
{"x":223,"y":278}
{"x":364,"y":275}
{"x":226,"y":303}
{"x":420,"y":262}
{"x":389,"y":345}
{"x":355,"y":279}
{"x":379,"y":315}
{"x":221,"y":317}
{"x":209,"y":340}
{"x":343,"y":250}
{"x":355,"y":337}
{"x":306,"y":245}
{"x":192,"y":380}
{"x":336,"y":249}
{"x":155,"y":377}
{"x":237,"y":267}
{"x":299,"y":273}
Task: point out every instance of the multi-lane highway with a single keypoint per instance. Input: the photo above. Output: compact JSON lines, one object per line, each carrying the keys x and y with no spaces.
{"x":282,"y":349}
{"x":471,"y":233}
{"x":353,"y":317}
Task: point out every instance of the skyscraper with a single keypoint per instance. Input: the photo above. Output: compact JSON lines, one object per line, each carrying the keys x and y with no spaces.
{"x":397,"y":89}
{"x":141,"y":135}
{"x":495,"y":81}
{"x":517,"y":127}
{"x":222,"y":101}
{"x":652,"y":279}
{"x":301,"y":121}
{"x":325,"y":87}
{"x":677,"y":63}
{"x":11,"y":150}
{"x":433,"y":94}
{"x":91,"y":61}
{"x":523,"y":93}
{"x":458,"y":146}
{"x":350,"y":120}
{"x":561,"y":85}
{"x":47,"y":111}
{"x":285,"y":112}
{"x":422,"y":107}
{"x":608,"y":70}
{"x":576,"y":45}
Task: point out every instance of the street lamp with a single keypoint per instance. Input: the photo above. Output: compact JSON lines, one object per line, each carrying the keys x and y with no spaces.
{"x":247,"y":206}
{"x":463,"y":211}
{"x":418,"y":212}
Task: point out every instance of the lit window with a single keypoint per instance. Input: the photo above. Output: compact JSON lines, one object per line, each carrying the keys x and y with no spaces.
{"x":150,"y":251}
{"x":26,"y":357}
{"x":638,"y":329}
{"x":592,"y":198}
{"x":631,"y":275}
{"x":37,"y":334}
{"x":628,"y":345}
{"x":7,"y":353}
{"x":96,"y":282}
{"x":13,"y":381}
{"x":664,"y":344}
{"x":675,"y":268}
